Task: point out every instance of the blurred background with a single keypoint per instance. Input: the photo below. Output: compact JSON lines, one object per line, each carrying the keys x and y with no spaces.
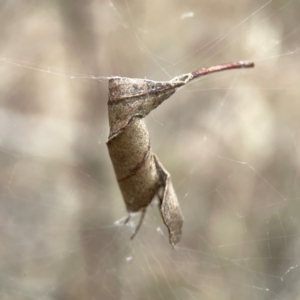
{"x":231,"y":142}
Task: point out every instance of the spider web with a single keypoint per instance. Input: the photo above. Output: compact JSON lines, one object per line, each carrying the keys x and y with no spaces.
{"x":230,"y":141}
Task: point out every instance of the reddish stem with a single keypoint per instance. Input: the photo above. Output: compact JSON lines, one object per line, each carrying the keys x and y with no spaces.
{"x":222,"y":67}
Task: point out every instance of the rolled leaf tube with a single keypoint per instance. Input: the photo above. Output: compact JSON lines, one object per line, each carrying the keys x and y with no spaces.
{"x":140,"y":174}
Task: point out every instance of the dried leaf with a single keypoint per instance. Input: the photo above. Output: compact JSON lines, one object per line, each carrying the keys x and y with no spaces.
{"x":140,"y":174}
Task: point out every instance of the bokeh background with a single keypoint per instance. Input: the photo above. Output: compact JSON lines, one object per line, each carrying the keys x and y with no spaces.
{"x":231,"y":142}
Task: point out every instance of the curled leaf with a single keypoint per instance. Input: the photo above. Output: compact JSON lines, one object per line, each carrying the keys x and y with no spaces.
{"x":140,"y":174}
